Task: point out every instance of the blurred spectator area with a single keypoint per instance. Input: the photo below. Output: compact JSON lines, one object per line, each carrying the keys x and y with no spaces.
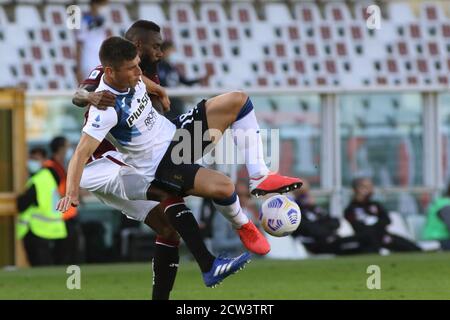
{"x":246,"y":43}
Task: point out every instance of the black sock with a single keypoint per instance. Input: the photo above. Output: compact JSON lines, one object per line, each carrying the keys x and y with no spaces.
{"x":184,"y":222}
{"x":165,"y":267}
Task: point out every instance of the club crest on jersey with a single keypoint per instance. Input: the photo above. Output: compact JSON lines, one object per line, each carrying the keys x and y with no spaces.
{"x":136,"y":114}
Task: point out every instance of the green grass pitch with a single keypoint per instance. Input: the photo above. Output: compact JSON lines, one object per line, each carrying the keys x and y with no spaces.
{"x":403,"y":276}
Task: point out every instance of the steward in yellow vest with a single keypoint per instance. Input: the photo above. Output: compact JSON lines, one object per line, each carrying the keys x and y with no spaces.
{"x":39,"y":222}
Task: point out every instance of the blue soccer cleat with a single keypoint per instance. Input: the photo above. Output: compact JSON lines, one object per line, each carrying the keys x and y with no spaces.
{"x":223,"y":267}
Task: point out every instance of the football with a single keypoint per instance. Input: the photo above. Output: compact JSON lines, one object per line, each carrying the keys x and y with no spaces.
{"x":280,"y":216}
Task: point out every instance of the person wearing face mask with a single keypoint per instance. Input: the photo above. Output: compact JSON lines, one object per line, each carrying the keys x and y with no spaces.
{"x":39,"y":223}
{"x":370,"y":218}
{"x":36,"y":159}
{"x":90,"y":37}
{"x":67,"y":250}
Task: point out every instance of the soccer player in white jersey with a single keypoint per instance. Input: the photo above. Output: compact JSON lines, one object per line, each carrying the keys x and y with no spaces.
{"x":145,"y":137}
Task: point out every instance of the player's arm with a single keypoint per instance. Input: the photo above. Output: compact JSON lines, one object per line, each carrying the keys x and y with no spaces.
{"x":160,"y":92}
{"x":86,"y":95}
{"x":85,"y":149}
{"x":98,"y":125}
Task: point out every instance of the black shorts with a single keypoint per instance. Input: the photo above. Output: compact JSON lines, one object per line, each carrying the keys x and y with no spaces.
{"x":177,"y":169}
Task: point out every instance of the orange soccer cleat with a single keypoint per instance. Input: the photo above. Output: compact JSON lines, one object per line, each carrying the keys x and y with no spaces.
{"x":253,"y":239}
{"x":273,"y":183}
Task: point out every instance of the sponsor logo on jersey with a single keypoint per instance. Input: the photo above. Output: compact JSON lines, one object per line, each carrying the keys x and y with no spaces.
{"x":136,"y":114}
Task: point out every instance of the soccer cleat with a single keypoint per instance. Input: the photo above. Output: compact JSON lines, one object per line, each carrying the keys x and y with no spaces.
{"x":224,"y":267}
{"x":273,"y":183}
{"x":253,"y":239}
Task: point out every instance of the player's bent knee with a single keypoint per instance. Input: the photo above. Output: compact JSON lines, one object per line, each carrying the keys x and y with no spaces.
{"x":223,"y":190}
{"x":239,"y":98}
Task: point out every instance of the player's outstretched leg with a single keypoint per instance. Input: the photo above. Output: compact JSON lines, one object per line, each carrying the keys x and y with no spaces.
{"x":235,"y":109}
{"x":217,"y":186}
{"x":224,"y":267}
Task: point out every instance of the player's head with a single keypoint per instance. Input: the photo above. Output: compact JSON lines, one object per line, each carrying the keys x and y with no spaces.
{"x":363,"y":188}
{"x":59,"y":145}
{"x":120,"y":62}
{"x":146,"y":35}
{"x":167,"y":48}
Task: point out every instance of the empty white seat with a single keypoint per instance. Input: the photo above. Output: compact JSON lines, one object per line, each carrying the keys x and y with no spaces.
{"x":337,"y":12}
{"x":3,"y":18}
{"x":152,"y":12}
{"x":27,"y":16}
{"x":243,"y":12}
{"x":400,"y":13}
{"x":55,"y":15}
{"x":181,"y":14}
{"x":277,"y":13}
{"x":432,"y":12}
{"x":118,"y":15}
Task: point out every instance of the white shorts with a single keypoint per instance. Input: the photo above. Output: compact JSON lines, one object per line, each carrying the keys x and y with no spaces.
{"x":101,"y":177}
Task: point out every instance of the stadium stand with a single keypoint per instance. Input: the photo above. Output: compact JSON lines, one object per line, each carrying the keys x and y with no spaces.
{"x":247,"y":44}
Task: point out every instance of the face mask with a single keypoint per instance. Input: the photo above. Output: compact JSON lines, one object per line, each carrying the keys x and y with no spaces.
{"x":33,"y":166}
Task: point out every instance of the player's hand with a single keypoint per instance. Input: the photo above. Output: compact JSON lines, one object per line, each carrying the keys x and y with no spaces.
{"x":102,"y":99}
{"x":165,"y":101}
{"x":66,"y":202}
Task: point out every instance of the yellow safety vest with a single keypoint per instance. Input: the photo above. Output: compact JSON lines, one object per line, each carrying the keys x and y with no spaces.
{"x":43,"y":220}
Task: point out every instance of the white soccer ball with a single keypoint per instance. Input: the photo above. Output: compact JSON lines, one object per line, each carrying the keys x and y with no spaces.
{"x":280,"y":216}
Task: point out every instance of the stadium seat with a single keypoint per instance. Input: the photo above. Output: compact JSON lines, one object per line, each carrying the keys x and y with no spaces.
{"x":400,"y":13}
{"x":277,"y":14}
{"x":55,"y":16}
{"x":3,"y":18}
{"x":212,"y":13}
{"x":307,"y":13}
{"x":152,"y":12}
{"x":27,"y":16}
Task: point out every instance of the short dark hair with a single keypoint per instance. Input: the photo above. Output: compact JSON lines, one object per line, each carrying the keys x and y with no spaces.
{"x":140,"y":29}
{"x":39,"y":150}
{"x":356,"y":182}
{"x":115,"y":50}
{"x":57,"y":143}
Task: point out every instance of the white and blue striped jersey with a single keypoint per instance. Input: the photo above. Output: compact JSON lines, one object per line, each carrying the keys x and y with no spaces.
{"x":133,"y":126}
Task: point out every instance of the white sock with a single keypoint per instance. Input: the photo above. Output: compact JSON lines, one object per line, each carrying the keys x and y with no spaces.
{"x":248,"y":140}
{"x":233,"y":213}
